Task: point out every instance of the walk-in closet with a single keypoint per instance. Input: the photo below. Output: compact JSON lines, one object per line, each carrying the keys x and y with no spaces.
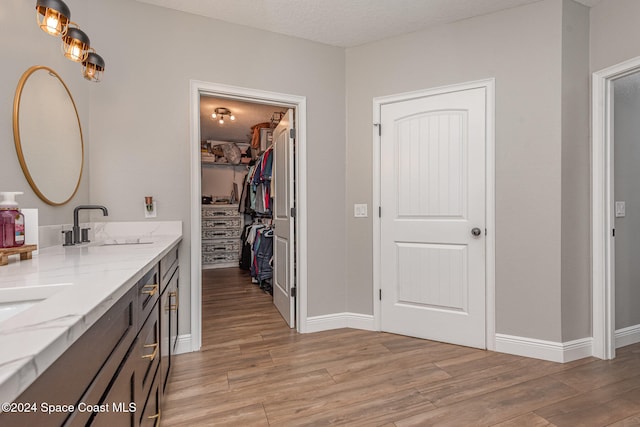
{"x":238,"y":186}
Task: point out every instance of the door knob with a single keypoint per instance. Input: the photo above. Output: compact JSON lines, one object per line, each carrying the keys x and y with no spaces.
{"x":476,"y":232}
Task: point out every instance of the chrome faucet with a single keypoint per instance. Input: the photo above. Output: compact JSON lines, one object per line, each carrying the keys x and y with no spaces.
{"x":76,"y":226}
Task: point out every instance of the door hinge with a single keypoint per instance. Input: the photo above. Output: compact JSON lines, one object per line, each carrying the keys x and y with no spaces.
{"x":380,"y":294}
{"x":292,"y":133}
{"x":293,"y":212}
{"x":379,"y":211}
{"x":293,"y":292}
{"x":613,"y":232}
{"x":379,"y":126}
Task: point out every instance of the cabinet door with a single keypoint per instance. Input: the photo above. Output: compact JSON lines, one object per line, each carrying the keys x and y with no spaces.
{"x":147,"y":352}
{"x":174,"y":288}
{"x":121,"y":399}
{"x":165,"y":349}
{"x":169,"y":326}
{"x":151,"y":414}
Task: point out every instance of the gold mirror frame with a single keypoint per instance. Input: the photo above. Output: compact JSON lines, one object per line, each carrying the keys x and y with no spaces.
{"x":26,"y":152}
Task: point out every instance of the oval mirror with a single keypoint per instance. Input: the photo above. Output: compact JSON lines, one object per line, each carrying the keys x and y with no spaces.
{"x":47,"y":135}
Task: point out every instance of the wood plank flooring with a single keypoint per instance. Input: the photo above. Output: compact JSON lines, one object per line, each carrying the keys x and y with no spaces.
{"x":255,"y":371}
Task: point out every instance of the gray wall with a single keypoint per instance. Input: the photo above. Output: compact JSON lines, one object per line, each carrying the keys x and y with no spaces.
{"x":22,"y":45}
{"x":614,"y":39}
{"x":627,"y":178}
{"x":614,"y":32}
{"x":136,"y":125}
{"x":576,"y":173}
{"x":521,"y":48}
{"x":140,"y":121}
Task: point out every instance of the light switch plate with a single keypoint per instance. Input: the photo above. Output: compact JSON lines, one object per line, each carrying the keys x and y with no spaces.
{"x":621,"y":209}
{"x":360,"y":210}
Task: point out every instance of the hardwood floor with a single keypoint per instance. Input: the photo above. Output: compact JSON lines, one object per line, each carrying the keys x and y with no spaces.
{"x":254,"y":371}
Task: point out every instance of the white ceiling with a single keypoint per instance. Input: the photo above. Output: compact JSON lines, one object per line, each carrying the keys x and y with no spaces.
{"x":247,"y":114}
{"x":344,"y":23}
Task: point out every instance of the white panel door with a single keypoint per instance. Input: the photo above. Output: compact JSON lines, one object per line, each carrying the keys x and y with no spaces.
{"x":432,"y":194}
{"x":283,"y":237}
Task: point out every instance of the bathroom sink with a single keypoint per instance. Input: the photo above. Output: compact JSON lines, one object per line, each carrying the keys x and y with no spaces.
{"x":126,"y":241}
{"x":17,"y":300}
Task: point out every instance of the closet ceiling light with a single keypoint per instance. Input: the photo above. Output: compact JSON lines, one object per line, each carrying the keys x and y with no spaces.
{"x":75,"y":44}
{"x":219,"y":114}
{"x":93,"y":67}
{"x":53,"y":16}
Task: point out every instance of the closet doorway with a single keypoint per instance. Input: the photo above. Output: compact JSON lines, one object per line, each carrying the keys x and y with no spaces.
{"x":615,"y":106}
{"x":240,"y":217}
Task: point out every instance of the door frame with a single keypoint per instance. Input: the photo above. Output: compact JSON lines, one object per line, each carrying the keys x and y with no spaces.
{"x":299,"y":105}
{"x":602,"y":216}
{"x":378,"y":102}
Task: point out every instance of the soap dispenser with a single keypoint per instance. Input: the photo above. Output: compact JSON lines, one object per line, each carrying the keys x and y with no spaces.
{"x":11,"y":221}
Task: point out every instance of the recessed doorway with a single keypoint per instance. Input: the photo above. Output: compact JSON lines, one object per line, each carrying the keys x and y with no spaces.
{"x":242,"y":95}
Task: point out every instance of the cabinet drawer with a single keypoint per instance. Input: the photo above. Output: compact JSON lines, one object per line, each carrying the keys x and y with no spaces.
{"x":148,"y":293}
{"x":220,"y":234}
{"x":220,"y":258}
{"x":217,"y":211}
{"x":217,"y":246}
{"x":220,"y":223}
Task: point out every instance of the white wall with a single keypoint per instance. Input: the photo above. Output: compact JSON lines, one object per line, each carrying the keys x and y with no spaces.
{"x":521,"y":48}
{"x":140,"y":121}
{"x":23,"y":45}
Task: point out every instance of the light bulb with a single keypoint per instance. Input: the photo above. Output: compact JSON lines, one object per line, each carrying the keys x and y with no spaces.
{"x":232,"y":117}
{"x":75,"y":53}
{"x":221,"y":121}
{"x":213,"y":116}
{"x":52,"y":23}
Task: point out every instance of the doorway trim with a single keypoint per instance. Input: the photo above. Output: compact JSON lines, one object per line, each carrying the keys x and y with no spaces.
{"x":299,"y":104}
{"x":602,"y":219}
{"x":378,"y":102}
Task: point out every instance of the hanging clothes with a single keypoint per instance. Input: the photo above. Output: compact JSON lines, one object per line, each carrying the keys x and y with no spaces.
{"x":258,"y":184}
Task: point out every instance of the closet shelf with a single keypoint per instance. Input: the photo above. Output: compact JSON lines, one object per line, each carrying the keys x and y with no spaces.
{"x":228,"y":165}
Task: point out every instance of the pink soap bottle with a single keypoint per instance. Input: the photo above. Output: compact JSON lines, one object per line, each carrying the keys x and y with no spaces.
{"x":11,"y":221}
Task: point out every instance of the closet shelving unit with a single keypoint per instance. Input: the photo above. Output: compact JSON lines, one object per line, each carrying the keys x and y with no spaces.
{"x":221,"y":229}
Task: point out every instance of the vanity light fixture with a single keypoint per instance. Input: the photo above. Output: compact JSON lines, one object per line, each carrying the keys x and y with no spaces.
{"x":75,"y":44}
{"x":93,"y":67}
{"x":219,"y":114}
{"x":53,"y":16}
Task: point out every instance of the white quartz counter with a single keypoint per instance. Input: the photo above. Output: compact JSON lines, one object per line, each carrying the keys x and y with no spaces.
{"x":79,"y":284}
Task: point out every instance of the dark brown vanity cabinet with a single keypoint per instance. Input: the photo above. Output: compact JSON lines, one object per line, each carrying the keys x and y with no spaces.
{"x":127,"y":397}
{"x":169,"y":304}
{"x":116,"y":372}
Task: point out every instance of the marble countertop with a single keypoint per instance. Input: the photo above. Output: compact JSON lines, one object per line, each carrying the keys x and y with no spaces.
{"x":79,"y":284}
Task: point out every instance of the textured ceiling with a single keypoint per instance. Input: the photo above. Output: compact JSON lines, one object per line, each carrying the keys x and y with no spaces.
{"x":344,"y":23}
{"x":247,"y":114}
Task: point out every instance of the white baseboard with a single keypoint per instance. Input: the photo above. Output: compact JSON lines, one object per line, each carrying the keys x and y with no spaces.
{"x":546,"y":350}
{"x":184,"y":344}
{"x":340,"y":320}
{"x":627,"y":336}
